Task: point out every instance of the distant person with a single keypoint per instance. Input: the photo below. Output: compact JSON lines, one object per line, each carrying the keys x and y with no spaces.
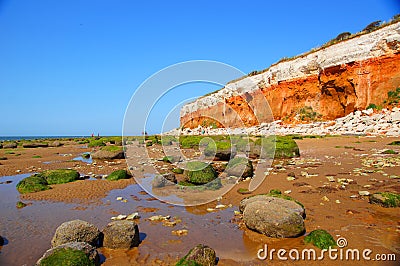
{"x":92,"y":135}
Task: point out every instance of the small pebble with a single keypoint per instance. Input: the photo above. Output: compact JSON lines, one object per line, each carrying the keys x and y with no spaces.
{"x":363,"y":193}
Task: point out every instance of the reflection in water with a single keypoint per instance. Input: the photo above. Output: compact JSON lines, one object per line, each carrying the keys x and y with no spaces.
{"x":37,"y":222}
{"x":84,"y":159}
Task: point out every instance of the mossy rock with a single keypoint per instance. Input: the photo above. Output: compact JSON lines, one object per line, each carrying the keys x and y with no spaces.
{"x":385,"y":199}
{"x":240,"y":167}
{"x":321,"y":239}
{"x":276,"y":192}
{"x":167,"y":140}
{"x":186,"y":184}
{"x":96,"y":143}
{"x":199,"y":173}
{"x":31,"y":184}
{"x":213,"y":185}
{"x":188,"y":142}
{"x":117,"y":175}
{"x":278,"y":147}
{"x":70,"y":254}
{"x":82,"y":141}
{"x":389,"y":152}
{"x":41,"y":181}
{"x":243,"y":191}
{"x":112,"y":148}
{"x":60,"y":176}
{"x":200,"y":255}
{"x":221,"y":150}
{"x":20,"y":205}
{"x":170,"y":159}
{"x":178,"y":170}
{"x":68,"y":257}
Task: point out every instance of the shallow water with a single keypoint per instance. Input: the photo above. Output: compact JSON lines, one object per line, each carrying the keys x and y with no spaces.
{"x":80,"y":158}
{"x":28,"y":231}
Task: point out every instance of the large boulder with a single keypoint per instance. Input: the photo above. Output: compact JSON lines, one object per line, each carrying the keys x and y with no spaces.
{"x":289,"y":204}
{"x":109,"y":153}
{"x":199,"y":173}
{"x":32,"y":183}
{"x":224,"y":154}
{"x":274,"y":219}
{"x":60,"y":176}
{"x":10,"y":145}
{"x":240,"y":167}
{"x":55,"y":143}
{"x":199,"y":255}
{"x":385,"y":199}
{"x":41,"y":181}
{"x":72,"y":254}
{"x":35,"y":145}
{"x":121,"y":235}
{"x":76,"y":231}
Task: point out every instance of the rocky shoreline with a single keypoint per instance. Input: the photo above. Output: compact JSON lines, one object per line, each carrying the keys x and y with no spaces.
{"x":366,"y":122}
{"x":352,"y":181}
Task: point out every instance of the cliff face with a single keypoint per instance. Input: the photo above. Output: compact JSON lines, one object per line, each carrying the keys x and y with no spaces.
{"x":332,"y":82}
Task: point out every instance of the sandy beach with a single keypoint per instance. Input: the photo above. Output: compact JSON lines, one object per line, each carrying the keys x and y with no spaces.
{"x":330,"y":206}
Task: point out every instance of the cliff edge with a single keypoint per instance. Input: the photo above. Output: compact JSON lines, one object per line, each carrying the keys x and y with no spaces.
{"x":326,"y":84}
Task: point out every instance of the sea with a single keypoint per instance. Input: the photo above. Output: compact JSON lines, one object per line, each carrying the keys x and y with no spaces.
{"x":11,"y":138}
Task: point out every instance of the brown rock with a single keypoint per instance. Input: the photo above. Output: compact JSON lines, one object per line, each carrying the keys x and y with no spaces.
{"x":34,"y":145}
{"x":289,"y":204}
{"x":273,"y":220}
{"x":108,"y":155}
{"x":76,"y":231}
{"x":121,"y":235}
{"x":10,"y":145}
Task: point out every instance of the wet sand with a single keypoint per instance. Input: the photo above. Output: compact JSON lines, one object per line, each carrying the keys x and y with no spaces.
{"x":21,"y":160}
{"x":328,"y":206}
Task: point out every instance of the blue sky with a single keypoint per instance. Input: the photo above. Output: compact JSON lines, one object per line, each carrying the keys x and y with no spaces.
{"x":71,"y":67}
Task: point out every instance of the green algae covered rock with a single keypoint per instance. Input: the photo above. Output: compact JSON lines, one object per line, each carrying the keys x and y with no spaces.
{"x":320,"y":238}
{"x":199,"y":173}
{"x":200,"y":255}
{"x":385,"y":199}
{"x":117,"y":175}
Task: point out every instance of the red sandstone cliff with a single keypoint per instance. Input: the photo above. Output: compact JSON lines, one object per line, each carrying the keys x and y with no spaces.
{"x":333,"y":81}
